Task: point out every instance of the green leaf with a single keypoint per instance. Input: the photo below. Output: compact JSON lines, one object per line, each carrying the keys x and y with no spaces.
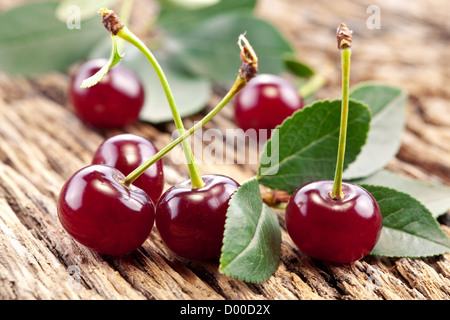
{"x":210,"y":49}
{"x":192,"y":93}
{"x":387,"y":105}
{"x":252,"y":239}
{"x":409,"y":230}
{"x":33,"y":40}
{"x":114,"y":58}
{"x":304,"y":147}
{"x":435,"y":197}
{"x":67,"y":9}
{"x":297,"y":67}
{"x":174,"y":18}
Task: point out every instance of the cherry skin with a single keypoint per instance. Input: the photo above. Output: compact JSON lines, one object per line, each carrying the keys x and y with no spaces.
{"x":126,"y":152}
{"x":341,"y":231}
{"x":102,"y":214}
{"x":265,"y":102}
{"x":114,"y":102}
{"x":190,"y":221}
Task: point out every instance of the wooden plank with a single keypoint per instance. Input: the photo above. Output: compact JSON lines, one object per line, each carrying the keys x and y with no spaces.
{"x":42,"y":143}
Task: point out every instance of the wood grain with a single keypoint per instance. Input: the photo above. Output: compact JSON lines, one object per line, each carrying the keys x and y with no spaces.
{"x":42,"y":143}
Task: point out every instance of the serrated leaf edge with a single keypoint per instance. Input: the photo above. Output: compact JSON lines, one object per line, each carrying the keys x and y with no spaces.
{"x":306,"y":109}
{"x":418,"y":203}
{"x":222,"y":268}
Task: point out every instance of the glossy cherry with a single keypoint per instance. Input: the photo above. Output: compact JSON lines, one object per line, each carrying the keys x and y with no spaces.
{"x":190,"y":221}
{"x":341,"y":231}
{"x":126,"y":152}
{"x":102,"y":214}
{"x":114,"y":102}
{"x":265,"y":102}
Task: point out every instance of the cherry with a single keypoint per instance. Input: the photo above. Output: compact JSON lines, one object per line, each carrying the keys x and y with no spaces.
{"x":126,"y":152}
{"x":265,"y":102}
{"x":341,"y":231}
{"x":99,"y":212}
{"x":191,"y":221}
{"x":114,"y":102}
{"x":334,"y":220}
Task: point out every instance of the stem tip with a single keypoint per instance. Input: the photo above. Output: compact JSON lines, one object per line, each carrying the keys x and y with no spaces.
{"x":249,"y":59}
{"x":111,"y":20}
{"x":344,"y":36}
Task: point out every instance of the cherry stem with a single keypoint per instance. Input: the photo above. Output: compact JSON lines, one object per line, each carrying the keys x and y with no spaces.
{"x":248,"y":70}
{"x":196,"y":178}
{"x":238,"y":85}
{"x":314,"y":83}
{"x":344,"y":45}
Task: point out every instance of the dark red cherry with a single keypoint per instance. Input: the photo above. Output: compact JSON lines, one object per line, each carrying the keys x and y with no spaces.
{"x":114,"y":102}
{"x":190,"y":221}
{"x":102,"y":214}
{"x":341,"y":231}
{"x":265,"y":102}
{"x":126,"y":152}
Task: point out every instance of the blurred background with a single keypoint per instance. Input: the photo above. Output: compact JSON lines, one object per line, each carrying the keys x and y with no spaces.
{"x":399,"y":43}
{"x":409,"y":50}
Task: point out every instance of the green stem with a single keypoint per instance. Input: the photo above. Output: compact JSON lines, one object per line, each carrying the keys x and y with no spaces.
{"x":314,"y":83}
{"x":238,"y":85}
{"x":336,"y":192}
{"x":281,"y":206}
{"x":196,"y":178}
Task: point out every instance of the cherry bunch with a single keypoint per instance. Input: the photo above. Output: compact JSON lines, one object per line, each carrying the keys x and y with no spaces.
{"x":112,"y":205}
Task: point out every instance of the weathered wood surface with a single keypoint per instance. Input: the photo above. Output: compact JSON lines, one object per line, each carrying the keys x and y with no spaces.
{"x":42,"y":143}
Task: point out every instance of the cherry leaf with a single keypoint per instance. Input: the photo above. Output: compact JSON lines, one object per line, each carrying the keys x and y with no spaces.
{"x":209,"y":49}
{"x":191,"y":92}
{"x":304,"y":147}
{"x":252,"y":239}
{"x":174,"y":18}
{"x":409,"y":229}
{"x":387,"y":105}
{"x":34,"y":41}
{"x":297,"y":67}
{"x":435,"y":197}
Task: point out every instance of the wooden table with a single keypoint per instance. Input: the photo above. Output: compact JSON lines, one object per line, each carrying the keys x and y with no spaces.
{"x":42,"y":143}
